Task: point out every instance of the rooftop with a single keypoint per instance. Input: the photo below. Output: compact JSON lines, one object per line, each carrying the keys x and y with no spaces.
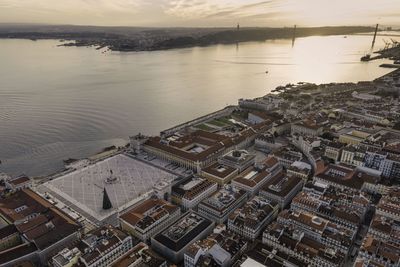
{"x":268,"y":256}
{"x":141,"y":252}
{"x":191,"y":187}
{"x":218,"y":245}
{"x":99,"y":240}
{"x":252,"y":176}
{"x":222,"y":199}
{"x":347,"y":176}
{"x":291,"y":238}
{"x":322,"y":227}
{"x":196,"y":146}
{"x":238,"y":156}
{"x":183,"y":231}
{"x":148,"y":212}
{"x":219,"y":170}
{"x":41,"y":223}
{"x":253,"y":213}
{"x":281,"y":184}
{"x":381,"y":249}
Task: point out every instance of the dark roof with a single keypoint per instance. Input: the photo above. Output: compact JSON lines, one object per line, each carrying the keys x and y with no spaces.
{"x":48,"y":226}
{"x":7,"y":231}
{"x":264,"y":254}
{"x":16,"y":252}
{"x":213,"y":170}
{"x":285,"y":185}
{"x":188,"y":238}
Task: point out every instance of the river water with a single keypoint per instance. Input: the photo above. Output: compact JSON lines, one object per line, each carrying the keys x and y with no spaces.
{"x":61,"y":102}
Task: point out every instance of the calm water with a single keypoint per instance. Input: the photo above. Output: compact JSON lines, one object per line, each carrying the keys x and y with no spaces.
{"x":58,"y":102}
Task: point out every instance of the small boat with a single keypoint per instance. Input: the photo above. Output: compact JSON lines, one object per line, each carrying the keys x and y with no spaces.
{"x":367,"y":57}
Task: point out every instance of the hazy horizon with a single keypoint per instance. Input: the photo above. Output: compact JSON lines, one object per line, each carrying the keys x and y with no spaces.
{"x":201,"y":13}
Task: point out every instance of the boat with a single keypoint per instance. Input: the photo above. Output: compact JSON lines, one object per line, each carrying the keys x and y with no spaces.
{"x":367,"y":57}
{"x":389,"y":66}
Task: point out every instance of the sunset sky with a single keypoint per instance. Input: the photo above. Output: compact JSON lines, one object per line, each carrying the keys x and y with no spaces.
{"x":202,"y":12}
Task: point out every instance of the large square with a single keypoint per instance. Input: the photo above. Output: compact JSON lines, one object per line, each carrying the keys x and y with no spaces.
{"x":125,"y":179}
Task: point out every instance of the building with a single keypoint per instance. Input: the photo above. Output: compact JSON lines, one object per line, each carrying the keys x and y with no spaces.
{"x":252,"y":179}
{"x":238,"y":159}
{"x":18,"y":183}
{"x":387,"y":163}
{"x":265,"y":103}
{"x":317,"y":228}
{"x":256,"y":117}
{"x":282,"y":188}
{"x":219,"y":205}
{"x":333,"y":150}
{"x":353,"y":137}
{"x":385,"y":229}
{"x":267,"y":143}
{"x":300,"y":169}
{"x":309,"y":146}
{"x":197,"y":150}
{"x":221,"y":248}
{"x":219,"y":173}
{"x":163,"y":189}
{"x":338,"y":205}
{"x":43,"y":229}
{"x":175,"y":240}
{"x":350,"y":178}
{"x":306,"y":128}
{"x":389,"y":205}
{"x":282,"y":126}
{"x":263,"y":255}
{"x":189,"y":192}
{"x":306,"y":143}
{"x":149,"y":218}
{"x":141,"y":255}
{"x":353,"y":155}
{"x":365,"y":96}
{"x":361,"y":262}
{"x":103,"y":246}
{"x":381,"y":252}
{"x":365,"y":116}
{"x":293,"y":242}
{"x":66,"y":258}
{"x":271,"y":165}
{"x":287,"y":157}
{"x":249,"y":220}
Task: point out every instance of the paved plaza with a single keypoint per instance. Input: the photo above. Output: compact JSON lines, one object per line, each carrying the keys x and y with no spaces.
{"x":125,"y":179}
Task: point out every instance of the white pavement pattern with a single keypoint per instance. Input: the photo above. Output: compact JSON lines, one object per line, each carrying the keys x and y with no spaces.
{"x":84,"y":187}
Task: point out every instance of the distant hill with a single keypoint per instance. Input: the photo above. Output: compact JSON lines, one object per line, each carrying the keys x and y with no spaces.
{"x":148,"y":39}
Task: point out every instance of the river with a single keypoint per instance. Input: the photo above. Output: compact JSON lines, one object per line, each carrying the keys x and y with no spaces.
{"x":62,"y":102}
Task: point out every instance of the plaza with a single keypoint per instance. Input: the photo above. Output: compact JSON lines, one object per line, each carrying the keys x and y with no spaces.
{"x":126,"y":180}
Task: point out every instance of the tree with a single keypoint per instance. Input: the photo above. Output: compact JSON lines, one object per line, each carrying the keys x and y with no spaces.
{"x":106,"y":200}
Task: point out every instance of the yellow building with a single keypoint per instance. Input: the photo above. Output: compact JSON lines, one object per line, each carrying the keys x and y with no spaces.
{"x":354,"y":137}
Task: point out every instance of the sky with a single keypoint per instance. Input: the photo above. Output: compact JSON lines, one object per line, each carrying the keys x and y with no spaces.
{"x":202,"y":13}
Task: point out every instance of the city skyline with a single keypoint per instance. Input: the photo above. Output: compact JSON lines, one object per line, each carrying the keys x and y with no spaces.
{"x":201,"y":13}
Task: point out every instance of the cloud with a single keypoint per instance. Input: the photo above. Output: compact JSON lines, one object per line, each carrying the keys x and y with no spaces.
{"x":201,"y":12}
